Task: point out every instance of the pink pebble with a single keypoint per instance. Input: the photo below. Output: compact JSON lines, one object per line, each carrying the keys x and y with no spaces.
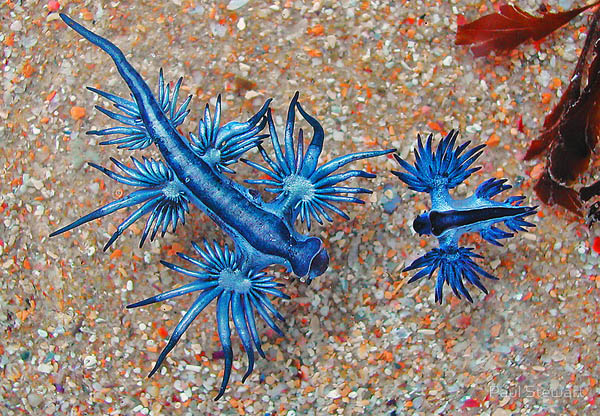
{"x":53,"y":5}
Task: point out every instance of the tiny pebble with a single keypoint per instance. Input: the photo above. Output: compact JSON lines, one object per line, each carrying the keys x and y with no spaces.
{"x":89,"y":361}
{"x":16,"y":26}
{"x":236,"y":4}
{"x":418,"y":402}
{"x":53,"y":5}
{"x":34,"y":399}
{"x":77,"y":112}
{"x":334,"y":394}
{"x":194,"y":368}
{"x":45,"y":368}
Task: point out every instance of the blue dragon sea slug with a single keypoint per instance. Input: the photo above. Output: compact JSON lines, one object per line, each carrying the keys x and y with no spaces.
{"x":192,"y":172}
{"x":438,"y":172}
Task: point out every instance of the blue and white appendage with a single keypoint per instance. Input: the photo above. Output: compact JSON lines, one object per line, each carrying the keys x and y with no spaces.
{"x":239,"y":293}
{"x":303,"y":188}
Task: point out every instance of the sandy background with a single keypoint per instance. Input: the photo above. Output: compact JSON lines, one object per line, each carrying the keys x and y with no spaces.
{"x":358,"y":340}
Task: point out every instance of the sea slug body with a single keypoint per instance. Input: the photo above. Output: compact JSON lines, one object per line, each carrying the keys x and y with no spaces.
{"x":448,"y":219}
{"x":192,"y":173}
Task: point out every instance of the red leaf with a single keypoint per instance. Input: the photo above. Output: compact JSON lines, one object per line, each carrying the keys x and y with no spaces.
{"x":571,"y":130}
{"x":588,"y":192}
{"x":507,"y":29}
{"x":551,"y":193}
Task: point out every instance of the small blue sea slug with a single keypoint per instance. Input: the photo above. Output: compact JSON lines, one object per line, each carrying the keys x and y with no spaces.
{"x":438,"y":172}
{"x":192,"y":173}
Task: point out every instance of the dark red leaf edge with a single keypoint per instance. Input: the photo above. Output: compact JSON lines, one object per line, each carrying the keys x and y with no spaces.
{"x":588,"y":192}
{"x":505,"y":30}
{"x":552,"y":193}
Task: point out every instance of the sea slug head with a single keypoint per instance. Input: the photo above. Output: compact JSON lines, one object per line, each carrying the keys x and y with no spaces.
{"x":422,"y":224}
{"x":318,"y":265}
{"x":309,"y":258}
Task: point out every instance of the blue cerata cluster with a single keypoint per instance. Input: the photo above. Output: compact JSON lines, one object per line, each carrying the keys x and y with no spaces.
{"x":193,"y":172}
